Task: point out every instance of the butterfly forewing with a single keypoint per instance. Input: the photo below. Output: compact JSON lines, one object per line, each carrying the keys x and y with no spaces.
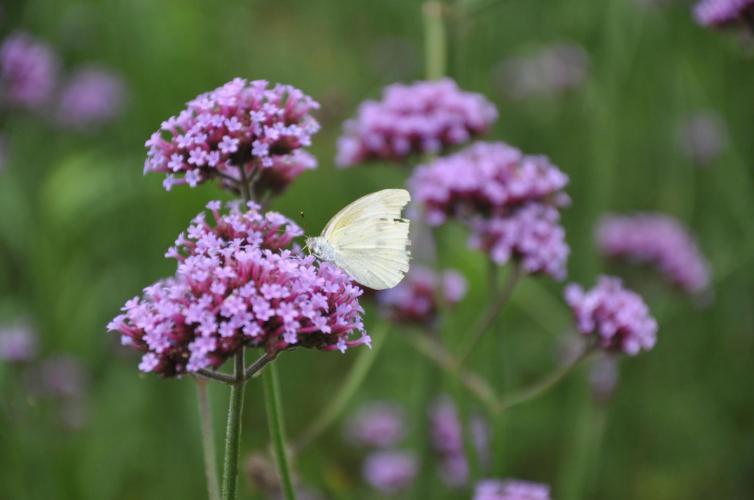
{"x":371,"y":239}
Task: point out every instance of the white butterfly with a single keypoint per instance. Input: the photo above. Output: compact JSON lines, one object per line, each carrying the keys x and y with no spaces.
{"x":368,"y":239}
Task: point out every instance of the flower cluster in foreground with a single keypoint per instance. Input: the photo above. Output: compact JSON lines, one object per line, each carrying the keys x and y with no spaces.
{"x":617,"y":318}
{"x":722,"y":12}
{"x":232,"y":132}
{"x":91,"y":97}
{"x":509,"y":199}
{"x":494,"y":489}
{"x":236,"y":286}
{"x":657,"y":239}
{"x":423,"y":117}
{"x":28,"y":71}
{"x":419,"y":297}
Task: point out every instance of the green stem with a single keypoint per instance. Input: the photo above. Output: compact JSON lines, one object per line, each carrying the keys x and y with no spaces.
{"x":233,"y":430}
{"x":208,"y":440}
{"x":435,"y":39}
{"x":277,"y":429}
{"x":494,"y":309}
{"x":346,"y":391}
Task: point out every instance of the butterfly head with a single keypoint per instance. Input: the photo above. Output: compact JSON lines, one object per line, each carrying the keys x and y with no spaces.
{"x":320,"y":248}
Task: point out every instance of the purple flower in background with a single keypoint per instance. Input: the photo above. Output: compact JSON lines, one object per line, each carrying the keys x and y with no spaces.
{"x":63,"y":381}
{"x":603,"y":377}
{"x":657,"y":239}
{"x":702,"y":137}
{"x":236,"y":286}
{"x":377,"y":425}
{"x":232,"y":133}
{"x":28,"y":71}
{"x":91,"y":97}
{"x":617,"y":318}
{"x":390,"y":472}
{"x":18,"y":342}
{"x":508,"y":199}
{"x":550,"y":71}
{"x":415,"y":299}
{"x":532,"y":235}
{"x":716,"y":13}
{"x":508,"y":489}
{"x":423,"y":117}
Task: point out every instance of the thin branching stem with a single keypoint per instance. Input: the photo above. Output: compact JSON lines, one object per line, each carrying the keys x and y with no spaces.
{"x":233,"y":430}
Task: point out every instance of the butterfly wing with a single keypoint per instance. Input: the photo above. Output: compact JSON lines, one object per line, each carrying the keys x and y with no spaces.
{"x":370,"y":238}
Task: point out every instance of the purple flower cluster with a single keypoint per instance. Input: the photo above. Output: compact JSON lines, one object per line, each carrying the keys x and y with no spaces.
{"x":28,"y":71}
{"x":91,"y":97}
{"x":390,"y":472}
{"x":550,"y":71}
{"x":234,"y":131}
{"x":617,"y":318}
{"x":423,"y":117}
{"x":494,"y":489}
{"x":17,"y":343}
{"x":657,"y":239}
{"x":377,"y":425}
{"x":509,"y":199}
{"x":236,"y":286}
{"x":417,"y":299}
{"x":722,"y":12}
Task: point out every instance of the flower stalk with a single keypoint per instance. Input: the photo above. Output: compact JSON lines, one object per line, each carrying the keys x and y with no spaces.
{"x":233,"y":430}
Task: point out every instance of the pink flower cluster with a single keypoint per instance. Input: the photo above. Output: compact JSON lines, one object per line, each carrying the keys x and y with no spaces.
{"x":416,"y":299}
{"x":509,"y":199}
{"x":657,"y":239}
{"x":617,"y":318}
{"x":28,"y":71}
{"x":390,"y":472}
{"x":232,"y":132}
{"x":423,"y":117}
{"x":18,"y":342}
{"x":494,"y":489}
{"x":91,"y":97}
{"x":237,"y":286}
{"x":722,"y":12}
{"x":377,"y":425}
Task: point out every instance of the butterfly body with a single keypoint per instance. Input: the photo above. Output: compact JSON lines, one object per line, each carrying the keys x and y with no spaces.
{"x":368,"y":239}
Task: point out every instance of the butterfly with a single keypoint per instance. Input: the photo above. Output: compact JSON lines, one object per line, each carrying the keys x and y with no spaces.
{"x":368,"y":239}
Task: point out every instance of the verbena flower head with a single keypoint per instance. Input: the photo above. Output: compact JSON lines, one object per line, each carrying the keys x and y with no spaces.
{"x":390,"y":472}
{"x":509,"y":199}
{"x":232,"y":132}
{"x":423,"y":117}
{"x":237,"y":286}
{"x":417,"y":299}
{"x":703,"y":137}
{"x":91,"y":97}
{"x":377,"y":425}
{"x":616,"y":318}
{"x":18,"y":342}
{"x":510,"y":489}
{"x":659,"y":240}
{"x":550,"y":71}
{"x":531,"y":234}
{"x":718,"y":13}
{"x":28,"y":71}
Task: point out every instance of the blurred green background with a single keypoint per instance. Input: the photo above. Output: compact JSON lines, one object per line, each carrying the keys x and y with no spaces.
{"x":82,"y":230}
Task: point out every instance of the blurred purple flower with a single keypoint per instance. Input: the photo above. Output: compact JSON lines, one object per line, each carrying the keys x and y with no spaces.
{"x":703,"y":137}
{"x":18,"y":342}
{"x":550,"y":71}
{"x":657,"y":239}
{"x":237,"y":286}
{"x":716,"y":13}
{"x":90,"y":98}
{"x":377,"y":425}
{"x":62,"y":377}
{"x":617,"y":318}
{"x":423,"y":117}
{"x":508,"y":489}
{"x":508,"y":199}
{"x":417,"y":298}
{"x":603,"y":377}
{"x":28,"y":71}
{"x":390,"y":472}
{"x":232,"y":132}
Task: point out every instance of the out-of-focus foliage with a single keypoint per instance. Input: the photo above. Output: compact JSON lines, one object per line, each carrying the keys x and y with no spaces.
{"x":81,"y":231}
